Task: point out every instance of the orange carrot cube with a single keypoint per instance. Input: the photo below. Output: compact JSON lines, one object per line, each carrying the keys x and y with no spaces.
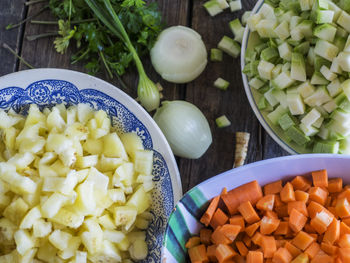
{"x":193,"y":242}
{"x":207,"y":216}
{"x":282,"y":255}
{"x":266,"y":203}
{"x":278,"y":201}
{"x":321,"y":221}
{"x":248,"y":212}
{"x":342,"y":207}
{"x":318,"y":195}
{"x":301,"y":183}
{"x":230,"y":231}
{"x":242,"y":249}
{"x":247,"y":240}
{"x":257,"y":239}
{"x":224,"y":253}
{"x":282,"y":211}
{"x":268,"y":225}
{"x":344,"y":241}
{"x":297,"y":220}
{"x":271,"y":214}
{"x":198,"y":254}
{"x":344,"y":254}
{"x":320,"y":178}
{"x":251,"y":229}
{"x":293,"y":250}
{"x":298,"y":205}
{"x":204,"y":235}
{"x":237,"y":220}
{"x":335,"y":185}
{"x":344,"y":228}
{"x":268,"y":245}
{"x":218,"y":237}
{"x":282,"y":228}
{"x":329,"y":249}
{"x":255,"y":257}
{"x":312,"y":250}
{"x":345,"y":194}
{"x":287,"y":193}
{"x":322,"y":257}
{"x":301,"y":196}
{"x":211,"y":253}
{"x":302,"y":240}
{"x":273,"y":188}
{"x":219,"y":219}
{"x":333,"y":232}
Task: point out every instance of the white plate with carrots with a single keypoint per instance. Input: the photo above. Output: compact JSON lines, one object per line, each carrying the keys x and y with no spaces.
{"x":289,"y":209}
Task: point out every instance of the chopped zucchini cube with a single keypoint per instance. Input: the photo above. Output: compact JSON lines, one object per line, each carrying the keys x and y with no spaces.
{"x":285,"y":51}
{"x":215,"y":54}
{"x":270,"y":98}
{"x":318,"y":98}
{"x":329,"y":75}
{"x":275,"y":115}
{"x":298,"y":71}
{"x":282,"y":81}
{"x":282,"y":30}
{"x":295,"y":104}
{"x":326,"y":32}
{"x":221,"y":84}
{"x":334,"y":88}
{"x":253,"y":21}
{"x":308,"y":130}
{"x":296,"y":135}
{"x":344,"y":20}
{"x":344,"y":61}
{"x":346,"y":88}
{"x":213,"y":7}
{"x":266,"y":27}
{"x":222,"y":121}
{"x":326,"y":50}
{"x":324,"y":16}
{"x":318,"y":79}
{"x":306,"y":89}
{"x":311,"y":117}
{"x":245,"y":17}
{"x":229,"y":46}
{"x":264,"y":69}
{"x":256,"y":83}
{"x":286,"y":121}
{"x":326,"y":147}
{"x":235,"y":5}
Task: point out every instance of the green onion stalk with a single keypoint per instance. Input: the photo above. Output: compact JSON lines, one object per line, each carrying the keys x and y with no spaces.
{"x":147,"y":91}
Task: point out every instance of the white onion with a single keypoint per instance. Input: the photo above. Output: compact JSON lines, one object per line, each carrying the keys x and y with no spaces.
{"x":179,"y":55}
{"x":185,"y":128}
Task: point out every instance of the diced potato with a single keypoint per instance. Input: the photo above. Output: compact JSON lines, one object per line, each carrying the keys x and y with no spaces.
{"x":60,"y":168}
{"x":124,"y":174}
{"x":28,"y":256}
{"x":68,"y":184}
{"x":92,"y":241}
{"x":41,"y":228}
{"x":132,"y":143}
{"x":53,"y":204}
{"x":7,"y":121}
{"x":34,"y":145}
{"x":60,"y":239}
{"x":47,"y":171}
{"x":138,"y":250}
{"x":106,"y":222}
{"x":109,"y":164}
{"x":117,"y":196}
{"x":113,"y":146}
{"x":68,"y":218}
{"x":85,"y":203}
{"x":93,"y":146}
{"x":71,"y":115}
{"x":86,"y":161}
{"x":55,"y":121}
{"x":82,"y":174}
{"x":113,"y":236}
{"x":84,"y":113}
{"x":107,"y":253}
{"x":22,"y":160}
{"x":52,"y":183}
{"x":72,"y":247}
{"x":80,"y":257}
{"x":140,"y":200}
{"x":144,"y":162}
{"x":9,"y":137}
{"x":99,"y":180}
{"x":34,"y":116}
{"x":10,"y":257}
{"x":124,"y":244}
{"x":16,"y":211}
{"x":33,"y":215}
{"x":7,"y":230}
{"x":46,"y":252}
{"x":125,"y":216}
{"x":103,"y":201}
{"x":24,"y":241}
{"x":77,"y":131}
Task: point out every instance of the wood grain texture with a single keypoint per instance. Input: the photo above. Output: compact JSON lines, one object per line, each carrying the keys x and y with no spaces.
{"x":10,"y":12}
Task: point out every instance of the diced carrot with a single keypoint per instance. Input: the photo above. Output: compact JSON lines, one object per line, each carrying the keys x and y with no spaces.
{"x":211,"y":253}
{"x":344,"y":228}
{"x":322,"y":257}
{"x":198,"y":254}
{"x":280,"y":242}
{"x":193,"y":242}
{"x":344,"y":254}
{"x":282,"y":211}
{"x":268,"y":225}
{"x":242,"y":249}
{"x":301,"y":183}
{"x":257,"y":239}
{"x":293,"y":250}
{"x":219,"y":218}
{"x":224,"y":191}
{"x":313,"y":208}
{"x":219,"y":238}
{"x":287,"y":193}
{"x":338,"y":260}
{"x":335,"y":185}
{"x":224,"y":252}
{"x":314,"y":236}
{"x":342,"y":207}
{"x":297,"y":220}
{"x":282,"y":228}
{"x":302,"y":258}
{"x":238,"y":259}
{"x":318,"y":195}
{"x":230,"y":231}
{"x":333,"y":232}
{"x":282,"y":255}
{"x":207,"y":216}
{"x":266,"y":203}
{"x":205,"y":235}
{"x":321,"y":221}
{"x":309,"y":229}
{"x":346,"y":220}
{"x":345,"y":193}
{"x":328,"y":201}
{"x":247,"y":240}
{"x":271,"y":214}
{"x":255,"y":257}
{"x":268,"y":245}
{"x":250,"y":230}
{"x":332,"y":210}
{"x":299,"y":206}
{"x":329,"y":249}
{"x":248,"y":192}
{"x":301,"y":196}
{"x":248,"y":212}
{"x":344,"y":240}
{"x":237,"y":220}
{"x":320,"y":178}
{"x":273,"y":188}
{"x":302,"y":240}
{"x":278,"y":201}
{"x":312,"y":250}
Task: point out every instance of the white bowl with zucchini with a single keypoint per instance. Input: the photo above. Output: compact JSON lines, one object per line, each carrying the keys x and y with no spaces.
{"x":295,"y":66}
{"x":85,"y":173}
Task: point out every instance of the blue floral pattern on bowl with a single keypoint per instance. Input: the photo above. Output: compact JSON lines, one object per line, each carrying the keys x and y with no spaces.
{"x":49,"y":92}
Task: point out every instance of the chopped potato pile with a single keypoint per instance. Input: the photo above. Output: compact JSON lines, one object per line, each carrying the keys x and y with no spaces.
{"x":71,"y":189}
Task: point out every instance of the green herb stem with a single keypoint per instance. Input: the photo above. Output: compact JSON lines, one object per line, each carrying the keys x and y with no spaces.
{"x":12,"y":26}
{"x":74,"y":22}
{"x":35,"y":37}
{"x":110,"y":74}
{"x":4,"y":45}
{"x":32,"y":2}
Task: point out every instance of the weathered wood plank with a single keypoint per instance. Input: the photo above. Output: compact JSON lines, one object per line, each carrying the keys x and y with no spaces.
{"x":214,"y":102}
{"x":10,"y":12}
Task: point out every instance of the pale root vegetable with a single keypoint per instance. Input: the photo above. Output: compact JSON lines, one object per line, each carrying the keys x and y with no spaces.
{"x":185,"y":127}
{"x":242,"y":141}
{"x":179,"y":55}
{"x":68,"y":183}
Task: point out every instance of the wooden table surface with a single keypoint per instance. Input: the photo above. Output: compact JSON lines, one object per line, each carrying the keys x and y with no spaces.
{"x":212,"y":101}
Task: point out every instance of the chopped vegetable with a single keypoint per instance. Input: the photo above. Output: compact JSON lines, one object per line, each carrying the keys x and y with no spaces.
{"x":185,"y":128}
{"x":302,"y":231}
{"x":179,"y":54}
{"x":235,"y":5}
{"x":220,"y":83}
{"x":213,"y":7}
{"x":215,"y":54}
{"x":242,"y":141}
{"x":229,"y":46}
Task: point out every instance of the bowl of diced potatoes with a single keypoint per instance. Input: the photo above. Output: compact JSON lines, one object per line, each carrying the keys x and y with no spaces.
{"x":85,"y":173}
{"x":295,"y":69}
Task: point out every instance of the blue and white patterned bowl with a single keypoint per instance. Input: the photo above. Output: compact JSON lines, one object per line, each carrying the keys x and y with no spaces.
{"x":47,"y":87}
{"x":184,"y":221}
